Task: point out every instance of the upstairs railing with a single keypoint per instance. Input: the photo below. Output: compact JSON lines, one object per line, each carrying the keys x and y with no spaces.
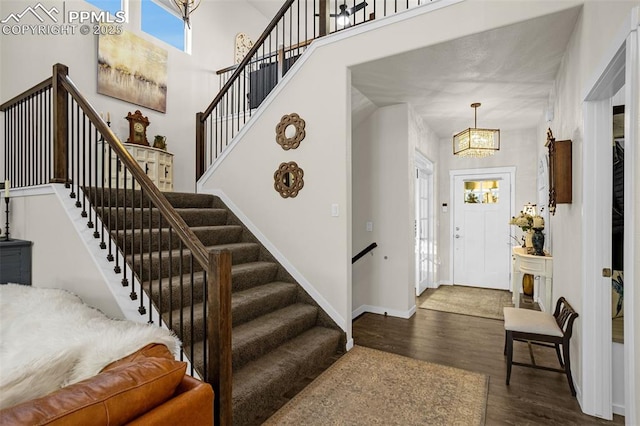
{"x":53,"y":134}
{"x":245,"y":85}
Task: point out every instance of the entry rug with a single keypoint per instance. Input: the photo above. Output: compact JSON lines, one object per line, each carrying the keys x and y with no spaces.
{"x":367,"y":387}
{"x":477,"y":302}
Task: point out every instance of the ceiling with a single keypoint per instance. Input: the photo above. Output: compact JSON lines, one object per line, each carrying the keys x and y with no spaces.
{"x":510,"y":70}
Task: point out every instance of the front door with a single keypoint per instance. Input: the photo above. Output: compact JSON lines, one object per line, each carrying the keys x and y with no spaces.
{"x":481,"y":232}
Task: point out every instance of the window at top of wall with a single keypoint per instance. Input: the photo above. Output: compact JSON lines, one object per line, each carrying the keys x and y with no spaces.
{"x":160,"y":21}
{"x":111,"y":6}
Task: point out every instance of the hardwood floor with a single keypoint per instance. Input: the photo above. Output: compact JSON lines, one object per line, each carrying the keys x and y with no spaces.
{"x":534,"y":396}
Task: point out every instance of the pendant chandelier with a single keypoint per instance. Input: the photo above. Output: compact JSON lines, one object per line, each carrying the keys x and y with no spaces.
{"x":474,"y":142}
{"x":186,"y":7}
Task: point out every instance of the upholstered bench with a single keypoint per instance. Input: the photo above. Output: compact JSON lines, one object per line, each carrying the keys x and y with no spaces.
{"x":543,"y":329}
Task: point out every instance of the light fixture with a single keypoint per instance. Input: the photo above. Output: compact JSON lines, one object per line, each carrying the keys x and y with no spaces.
{"x":186,"y":7}
{"x":343,"y":17}
{"x":474,"y":142}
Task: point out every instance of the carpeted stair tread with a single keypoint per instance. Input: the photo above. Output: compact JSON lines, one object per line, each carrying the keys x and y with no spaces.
{"x":208,"y":235}
{"x":158,"y":263}
{"x":261,"y":335}
{"x":250,"y":274}
{"x":249,"y":304}
{"x":260,"y":384}
{"x":191,"y":216}
{"x":187,"y":199}
{"x":122,"y":197}
{"x":244,"y":276}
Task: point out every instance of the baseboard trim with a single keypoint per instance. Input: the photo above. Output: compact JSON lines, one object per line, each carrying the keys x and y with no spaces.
{"x":618,"y":409}
{"x":383,"y":311}
{"x":349,"y":345}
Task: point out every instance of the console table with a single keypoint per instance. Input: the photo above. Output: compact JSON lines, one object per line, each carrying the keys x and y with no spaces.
{"x":156,"y":163}
{"x":15,"y":261}
{"x":541,"y":266}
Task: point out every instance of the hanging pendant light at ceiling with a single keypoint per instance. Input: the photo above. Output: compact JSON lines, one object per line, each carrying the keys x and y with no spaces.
{"x":474,"y":142}
{"x":186,"y":7}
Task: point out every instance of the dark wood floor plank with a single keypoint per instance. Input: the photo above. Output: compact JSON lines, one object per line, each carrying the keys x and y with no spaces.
{"x":534,"y":397}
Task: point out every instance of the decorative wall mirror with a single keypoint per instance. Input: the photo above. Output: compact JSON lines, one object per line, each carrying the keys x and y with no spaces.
{"x":290,"y":131}
{"x":288,"y":179}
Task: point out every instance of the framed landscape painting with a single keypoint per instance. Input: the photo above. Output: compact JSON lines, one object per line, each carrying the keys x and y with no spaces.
{"x":132,"y":69}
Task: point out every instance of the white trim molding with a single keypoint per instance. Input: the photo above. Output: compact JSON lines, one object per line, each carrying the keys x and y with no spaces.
{"x":381,"y":310}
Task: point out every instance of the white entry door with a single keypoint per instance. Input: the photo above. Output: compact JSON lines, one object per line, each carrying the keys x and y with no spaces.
{"x":482,"y":208}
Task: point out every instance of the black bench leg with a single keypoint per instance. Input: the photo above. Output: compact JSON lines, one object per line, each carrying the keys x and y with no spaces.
{"x":509,"y":344}
{"x":559,"y":356}
{"x":504,"y":352}
{"x":567,"y":366}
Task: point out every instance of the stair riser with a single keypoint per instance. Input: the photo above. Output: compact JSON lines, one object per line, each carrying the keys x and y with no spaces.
{"x":247,"y":279}
{"x":270,"y":395}
{"x":187,"y":334}
{"x":193,"y":329}
{"x":162,"y":298}
{"x":130,"y":198}
{"x":261,"y":306}
{"x":121,"y":219}
{"x":159,"y":241}
{"x":169,"y":296}
{"x":177,"y":265}
{"x":242,"y":354}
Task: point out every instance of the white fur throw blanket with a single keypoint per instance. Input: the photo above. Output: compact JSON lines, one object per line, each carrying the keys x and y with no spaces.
{"x":50,"y":339}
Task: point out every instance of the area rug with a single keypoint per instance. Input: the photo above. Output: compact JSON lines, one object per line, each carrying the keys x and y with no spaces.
{"x":367,"y":387}
{"x":477,"y":302}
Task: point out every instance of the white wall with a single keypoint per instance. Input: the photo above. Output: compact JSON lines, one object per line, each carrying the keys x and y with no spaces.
{"x":517,"y":148}
{"x":59,"y":257}
{"x":589,"y":46}
{"x":381,"y":189}
{"x":26,"y":60}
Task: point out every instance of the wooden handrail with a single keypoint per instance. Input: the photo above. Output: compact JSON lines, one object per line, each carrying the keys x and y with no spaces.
{"x":148,"y":187}
{"x":43,"y":85}
{"x":247,"y":58}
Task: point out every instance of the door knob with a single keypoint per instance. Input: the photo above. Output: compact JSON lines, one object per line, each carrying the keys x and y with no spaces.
{"x":606,"y":272}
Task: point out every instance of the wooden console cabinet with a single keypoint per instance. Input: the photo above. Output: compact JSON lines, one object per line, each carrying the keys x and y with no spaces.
{"x":156,"y":163}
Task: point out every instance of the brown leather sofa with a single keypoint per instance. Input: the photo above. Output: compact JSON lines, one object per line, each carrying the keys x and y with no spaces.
{"x":147,"y":387}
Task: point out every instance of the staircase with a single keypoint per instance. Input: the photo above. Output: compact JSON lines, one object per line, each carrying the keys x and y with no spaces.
{"x":279,"y":335}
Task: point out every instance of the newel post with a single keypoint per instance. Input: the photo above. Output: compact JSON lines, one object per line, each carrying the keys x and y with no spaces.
{"x":219,"y":373}
{"x":60,"y":124}
{"x":324,"y":18}
{"x":200,"y":160}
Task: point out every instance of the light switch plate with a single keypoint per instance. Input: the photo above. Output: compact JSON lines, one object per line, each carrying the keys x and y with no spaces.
{"x":369,"y":226}
{"x":335,"y":211}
